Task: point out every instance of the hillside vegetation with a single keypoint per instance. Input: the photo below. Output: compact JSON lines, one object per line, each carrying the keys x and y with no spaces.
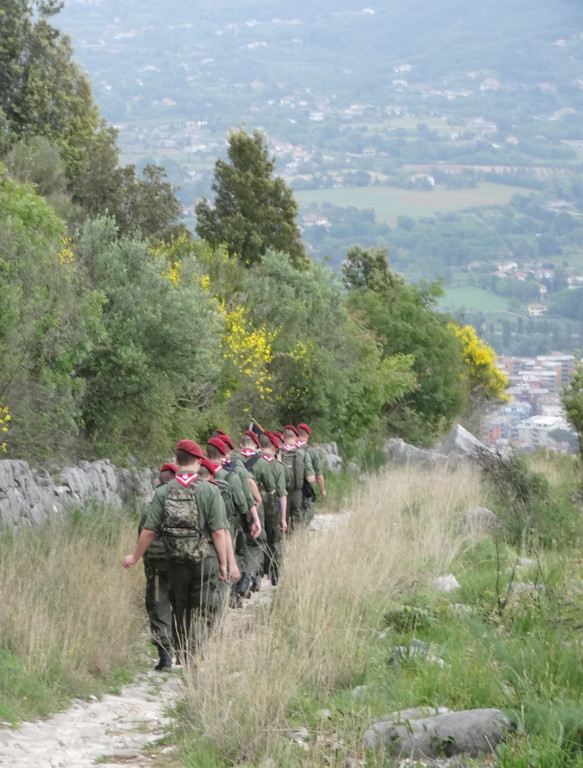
{"x":321,"y":659}
{"x":388,"y":121}
{"x":121,"y":332}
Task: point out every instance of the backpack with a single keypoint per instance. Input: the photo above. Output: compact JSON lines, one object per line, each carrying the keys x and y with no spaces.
{"x":293,"y":464}
{"x":180,"y":529}
{"x":227,"y":494}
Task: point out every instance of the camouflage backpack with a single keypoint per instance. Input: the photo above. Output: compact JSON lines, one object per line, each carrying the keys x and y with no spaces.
{"x":293,"y":464}
{"x":180,"y":529}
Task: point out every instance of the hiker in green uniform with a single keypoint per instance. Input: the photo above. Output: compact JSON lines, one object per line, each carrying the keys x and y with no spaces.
{"x":248,"y":527}
{"x":158,"y":603}
{"x":271,"y":478}
{"x":236,"y":505}
{"x":189,"y":516}
{"x":238,"y":461}
{"x":304,"y":433}
{"x":248,"y":455}
{"x":298,"y":471}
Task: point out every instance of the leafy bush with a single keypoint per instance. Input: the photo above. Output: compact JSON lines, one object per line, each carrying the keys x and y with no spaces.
{"x":530,"y":514}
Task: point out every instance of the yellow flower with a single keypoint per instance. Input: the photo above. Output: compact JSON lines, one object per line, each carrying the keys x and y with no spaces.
{"x":248,"y":348}
{"x":480,"y":359}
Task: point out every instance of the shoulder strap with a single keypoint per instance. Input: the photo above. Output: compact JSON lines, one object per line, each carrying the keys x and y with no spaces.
{"x":251,"y":461}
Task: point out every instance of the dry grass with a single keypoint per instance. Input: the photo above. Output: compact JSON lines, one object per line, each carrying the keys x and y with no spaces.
{"x":403,"y":528}
{"x":68,"y":610}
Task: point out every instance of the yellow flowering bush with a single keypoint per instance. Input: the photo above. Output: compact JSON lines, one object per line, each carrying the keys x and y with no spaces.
{"x":480,"y":360}
{"x":5,"y":419}
{"x":66,"y":254}
{"x":249,"y":349}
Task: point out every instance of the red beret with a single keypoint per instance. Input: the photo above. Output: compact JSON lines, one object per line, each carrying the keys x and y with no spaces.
{"x":305,"y":428}
{"x":208,"y":465}
{"x":218,"y":433}
{"x":169,"y":468}
{"x":251,"y":434}
{"x":292,"y":429}
{"x":278,"y":435}
{"x":227,"y":441}
{"x":189,"y":446}
{"x":273,"y":439}
{"x":217,"y":443}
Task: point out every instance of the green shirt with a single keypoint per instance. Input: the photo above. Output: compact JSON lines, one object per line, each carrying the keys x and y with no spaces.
{"x":263,"y":473}
{"x":243,"y":474}
{"x":278,"y":471}
{"x":315,"y":457}
{"x":234,"y":483}
{"x":211,"y":509}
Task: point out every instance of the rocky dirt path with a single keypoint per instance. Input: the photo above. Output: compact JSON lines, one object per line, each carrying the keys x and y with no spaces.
{"x":114,"y":730}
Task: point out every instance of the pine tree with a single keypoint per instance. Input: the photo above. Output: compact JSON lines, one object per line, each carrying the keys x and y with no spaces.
{"x":253,"y":210}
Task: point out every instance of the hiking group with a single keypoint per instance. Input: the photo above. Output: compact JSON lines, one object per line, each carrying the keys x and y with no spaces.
{"x":214,"y":529}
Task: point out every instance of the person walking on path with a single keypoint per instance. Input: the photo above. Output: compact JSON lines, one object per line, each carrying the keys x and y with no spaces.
{"x":189,"y":515}
{"x":158,"y":602}
{"x":304,"y":434}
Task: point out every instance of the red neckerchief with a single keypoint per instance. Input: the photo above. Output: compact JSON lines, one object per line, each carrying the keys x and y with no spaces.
{"x":267,"y":456}
{"x":289,"y":447}
{"x":186,"y":478}
{"x":217,"y":467}
{"x":246,"y":452}
{"x":299,"y":443}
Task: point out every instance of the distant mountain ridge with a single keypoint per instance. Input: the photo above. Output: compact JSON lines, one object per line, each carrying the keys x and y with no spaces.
{"x":209,"y":49}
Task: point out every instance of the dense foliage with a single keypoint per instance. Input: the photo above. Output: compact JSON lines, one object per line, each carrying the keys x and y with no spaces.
{"x":251,"y":211}
{"x":120,"y":333}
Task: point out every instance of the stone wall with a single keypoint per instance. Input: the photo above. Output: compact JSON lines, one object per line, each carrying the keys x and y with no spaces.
{"x":30,"y":496}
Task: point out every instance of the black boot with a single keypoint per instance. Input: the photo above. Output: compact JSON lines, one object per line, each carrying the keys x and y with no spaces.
{"x":243,"y":585}
{"x":165,"y":662}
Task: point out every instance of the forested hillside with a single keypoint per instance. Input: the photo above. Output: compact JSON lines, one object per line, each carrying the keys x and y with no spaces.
{"x":121,"y":332}
{"x":449,"y":134}
{"x":329,"y":79}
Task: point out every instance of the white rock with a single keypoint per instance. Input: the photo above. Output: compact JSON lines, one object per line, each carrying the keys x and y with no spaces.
{"x":445,"y":583}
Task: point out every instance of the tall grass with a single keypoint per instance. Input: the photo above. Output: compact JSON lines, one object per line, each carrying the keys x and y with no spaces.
{"x":69,"y":614}
{"x":403,"y":528}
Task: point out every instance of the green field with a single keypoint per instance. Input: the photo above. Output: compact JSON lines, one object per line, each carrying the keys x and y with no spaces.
{"x":391,"y":202}
{"x":475,"y":299}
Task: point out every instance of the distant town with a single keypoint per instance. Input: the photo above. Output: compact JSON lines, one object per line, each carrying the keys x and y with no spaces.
{"x":533,"y":416}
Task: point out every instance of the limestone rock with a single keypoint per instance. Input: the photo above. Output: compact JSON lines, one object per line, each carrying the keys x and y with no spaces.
{"x":470,"y":732}
{"x":330,"y":455}
{"x":461,"y":446}
{"x":400,"y":453}
{"x":479,"y":521}
{"x":447,"y":583}
{"x":30,"y":496}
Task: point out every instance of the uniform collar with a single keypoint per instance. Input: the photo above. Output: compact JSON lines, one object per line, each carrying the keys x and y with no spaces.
{"x":186,"y":478}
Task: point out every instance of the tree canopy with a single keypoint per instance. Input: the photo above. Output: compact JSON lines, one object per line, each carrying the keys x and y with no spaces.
{"x":252,"y":211}
{"x":120,"y":333}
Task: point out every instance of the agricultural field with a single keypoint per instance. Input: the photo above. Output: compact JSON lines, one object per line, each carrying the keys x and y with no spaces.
{"x":473,"y":299}
{"x":391,"y":202}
